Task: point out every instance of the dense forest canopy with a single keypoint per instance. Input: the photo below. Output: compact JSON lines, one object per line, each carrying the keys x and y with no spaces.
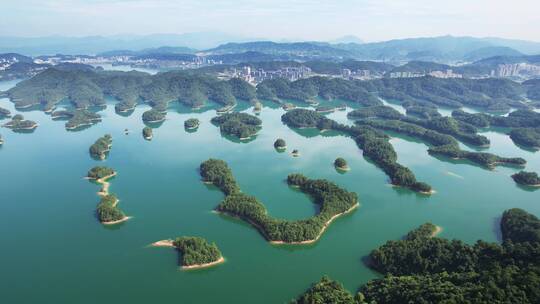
{"x":422,"y":268}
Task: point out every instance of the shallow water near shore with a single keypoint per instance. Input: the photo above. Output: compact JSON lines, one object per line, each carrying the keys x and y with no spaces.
{"x":54,"y":250}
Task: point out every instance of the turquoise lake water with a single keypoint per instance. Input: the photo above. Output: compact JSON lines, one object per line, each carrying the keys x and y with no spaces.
{"x":55,"y":251}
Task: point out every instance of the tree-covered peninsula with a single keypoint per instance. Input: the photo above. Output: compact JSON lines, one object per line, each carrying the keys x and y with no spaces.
{"x":374,"y":145}
{"x":332,"y":200}
{"x":527,"y":178}
{"x":77,"y":118}
{"x":147,"y":133}
{"x":107,"y":209}
{"x":18,"y":123}
{"x":191,"y":123}
{"x":101,"y":147}
{"x":240,"y":125}
{"x":422,"y":268}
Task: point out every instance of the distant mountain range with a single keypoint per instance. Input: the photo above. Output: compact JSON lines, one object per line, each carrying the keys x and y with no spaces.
{"x":98,"y":44}
{"x":444,"y":49}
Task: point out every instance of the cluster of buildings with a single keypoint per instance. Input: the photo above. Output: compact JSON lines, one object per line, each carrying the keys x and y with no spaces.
{"x":359,"y":74}
{"x":196,"y":62}
{"x":516,"y":70}
{"x":6,"y":62}
{"x":438,"y":74}
{"x":255,"y":76}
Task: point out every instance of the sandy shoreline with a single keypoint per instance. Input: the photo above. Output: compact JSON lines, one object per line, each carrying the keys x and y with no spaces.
{"x":438,"y":229}
{"x":163,"y":243}
{"x":105,"y":185}
{"x":322,"y":230}
{"x":125,"y":218}
{"x":198,"y":266}
{"x":343,"y":168}
{"x":292,"y":243}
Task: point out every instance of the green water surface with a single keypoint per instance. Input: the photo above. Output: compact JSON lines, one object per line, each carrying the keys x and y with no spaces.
{"x":53,"y":250}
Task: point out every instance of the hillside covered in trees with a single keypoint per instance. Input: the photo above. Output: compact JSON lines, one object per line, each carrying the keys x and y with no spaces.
{"x":89,"y":87}
{"x":332,"y":200}
{"x":422,"y":268}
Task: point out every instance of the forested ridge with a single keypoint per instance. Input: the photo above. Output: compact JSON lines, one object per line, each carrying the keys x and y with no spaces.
{"x":88,"y":87}
{"x":332,"y":200}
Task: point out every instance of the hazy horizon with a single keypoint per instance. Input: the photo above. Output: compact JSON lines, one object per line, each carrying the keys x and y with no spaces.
{"x":279,"y":20}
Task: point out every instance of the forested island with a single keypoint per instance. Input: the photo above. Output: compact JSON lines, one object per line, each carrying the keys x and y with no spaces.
{"x":280,"y":144}
{"x":195,"y":252}
{"x":426,"y":269}
{"x":374,"y":145}
{"x":154,"y":116}
{"x":147,"y":133}
{"x":333,"y":202}
{"x":440,"y":133}
{"x":240,"y":125}
{"x":101,"y":147}
{"x":191,"y":123}
{"x":89,"y":87}
{"x":77,"y":118}
{"x":18,"y":123}
{"x":107,"y":210}
{"x":524,"y":124}
{"x":341,"y":164}
{"x":527,"y":178}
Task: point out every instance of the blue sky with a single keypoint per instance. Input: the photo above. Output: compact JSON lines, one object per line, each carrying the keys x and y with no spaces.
{"x":370,"y":20}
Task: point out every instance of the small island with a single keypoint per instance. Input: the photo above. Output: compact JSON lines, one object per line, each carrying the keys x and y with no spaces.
{"x":333,"y":202}
{"x":191,"y":124}
{"x":240,"y":125}
{"x":18,"y":123}
{"x":81,"y":118}
{"x":107,"y":209}
{"x":280,"y":144}
{"x":1,"y":140}
{"x":527,"y":178}
{"x":295,"y":153}
{"x":147,"y":133}
{"x":196,"y":252}
{"x":341,"y":164}
{"x":154,"y":116}
{"x":101,"y":147}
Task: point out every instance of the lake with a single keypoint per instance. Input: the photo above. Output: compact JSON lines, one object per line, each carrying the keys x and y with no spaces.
{"x":54,"y":250}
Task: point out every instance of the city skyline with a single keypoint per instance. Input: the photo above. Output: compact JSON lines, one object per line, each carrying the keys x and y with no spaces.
{"x":277,"y":20}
